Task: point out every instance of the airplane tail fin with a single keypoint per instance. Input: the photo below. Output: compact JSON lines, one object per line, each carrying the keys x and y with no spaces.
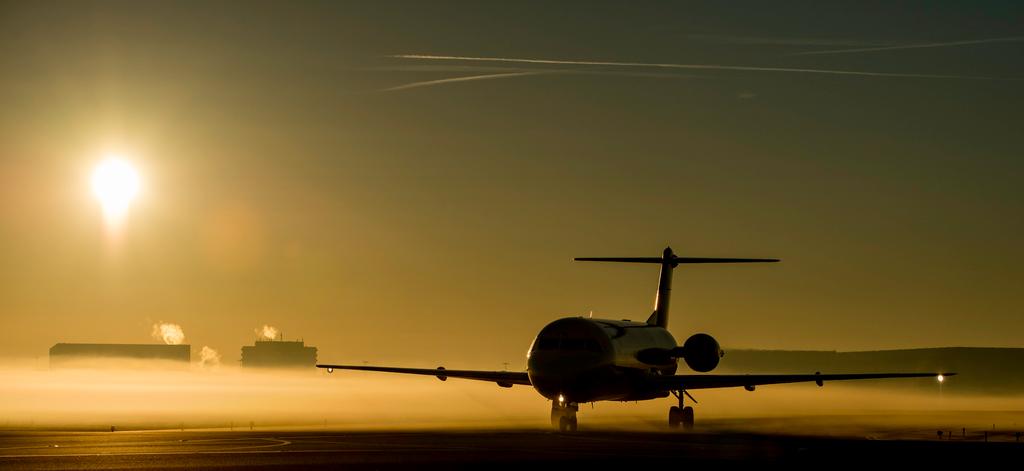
{"x":669,"y":261}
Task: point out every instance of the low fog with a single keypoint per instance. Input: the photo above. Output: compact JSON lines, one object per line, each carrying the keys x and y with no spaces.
{"x":130,"y":395}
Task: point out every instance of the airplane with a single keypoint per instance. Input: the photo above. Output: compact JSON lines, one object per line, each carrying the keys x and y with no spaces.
{"x":576,"y":360}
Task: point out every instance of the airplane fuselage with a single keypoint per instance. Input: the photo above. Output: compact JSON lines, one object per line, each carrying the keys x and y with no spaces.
{"x":584,"y":360}
{"x":574,"y":360}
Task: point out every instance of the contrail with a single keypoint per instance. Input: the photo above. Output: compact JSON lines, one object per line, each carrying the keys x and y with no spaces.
{"x":680,"y":66}
{"x":439,"y":68}
{"x":911,"y":46}
{"x":430,"y":83}
{"x":525,"y":72}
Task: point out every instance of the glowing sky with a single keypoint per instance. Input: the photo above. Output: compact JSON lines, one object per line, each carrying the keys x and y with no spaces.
{"x":300,"y":173}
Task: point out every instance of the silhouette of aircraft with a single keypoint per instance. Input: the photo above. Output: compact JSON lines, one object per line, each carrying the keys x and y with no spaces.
{"x":576,"y":360}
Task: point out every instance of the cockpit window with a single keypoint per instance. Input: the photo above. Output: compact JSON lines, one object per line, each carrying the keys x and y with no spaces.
{"x":547,"y":343}
{"x":573,"y":344}
{"x":567,"y":344}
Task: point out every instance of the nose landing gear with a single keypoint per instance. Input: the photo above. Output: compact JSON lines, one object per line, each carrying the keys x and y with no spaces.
{"x":681,"y":415}
{"x":563,"y":415}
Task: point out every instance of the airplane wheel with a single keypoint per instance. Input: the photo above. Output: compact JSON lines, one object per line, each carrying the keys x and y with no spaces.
{"x":675,"y":417}
{"x":687,"y":418}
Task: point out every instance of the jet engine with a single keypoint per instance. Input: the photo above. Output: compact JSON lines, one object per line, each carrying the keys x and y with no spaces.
{"x":702,"y":352}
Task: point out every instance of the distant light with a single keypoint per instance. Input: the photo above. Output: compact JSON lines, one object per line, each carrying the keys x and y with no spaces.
{"x":561,"y":398}
{"x":941,"y":378}
{"x":330,"y":370}
{"x":115,"y":184}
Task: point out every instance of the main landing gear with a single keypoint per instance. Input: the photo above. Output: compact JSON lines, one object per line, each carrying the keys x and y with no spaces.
{"x":563,"y":415}
{"x":680,"y":415}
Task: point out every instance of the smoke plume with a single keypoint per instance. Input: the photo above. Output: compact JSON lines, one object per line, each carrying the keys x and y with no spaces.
{"x":209,"y":358}
{"x":171,"y":334}
{"x":267,"y":332}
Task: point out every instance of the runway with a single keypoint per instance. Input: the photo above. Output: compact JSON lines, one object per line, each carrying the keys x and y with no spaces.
{"x":465,"y":449}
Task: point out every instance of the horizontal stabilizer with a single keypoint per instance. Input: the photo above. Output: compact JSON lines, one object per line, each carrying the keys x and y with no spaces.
{"x":675,"y":260}
{"x":668,"y":261}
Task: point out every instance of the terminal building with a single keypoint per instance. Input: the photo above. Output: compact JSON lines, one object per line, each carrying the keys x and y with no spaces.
{"x":82,"y":354}
{"x":278,"y":354}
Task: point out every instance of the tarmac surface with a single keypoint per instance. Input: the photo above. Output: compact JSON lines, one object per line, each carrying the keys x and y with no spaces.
{"x":474,"y":449}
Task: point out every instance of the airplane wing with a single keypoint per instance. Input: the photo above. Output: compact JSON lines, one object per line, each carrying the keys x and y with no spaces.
{"x":504,"y":379}
{"x":676,"y":382}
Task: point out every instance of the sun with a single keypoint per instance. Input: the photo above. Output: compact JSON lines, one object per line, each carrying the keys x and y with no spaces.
{"x":115,"y":184}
